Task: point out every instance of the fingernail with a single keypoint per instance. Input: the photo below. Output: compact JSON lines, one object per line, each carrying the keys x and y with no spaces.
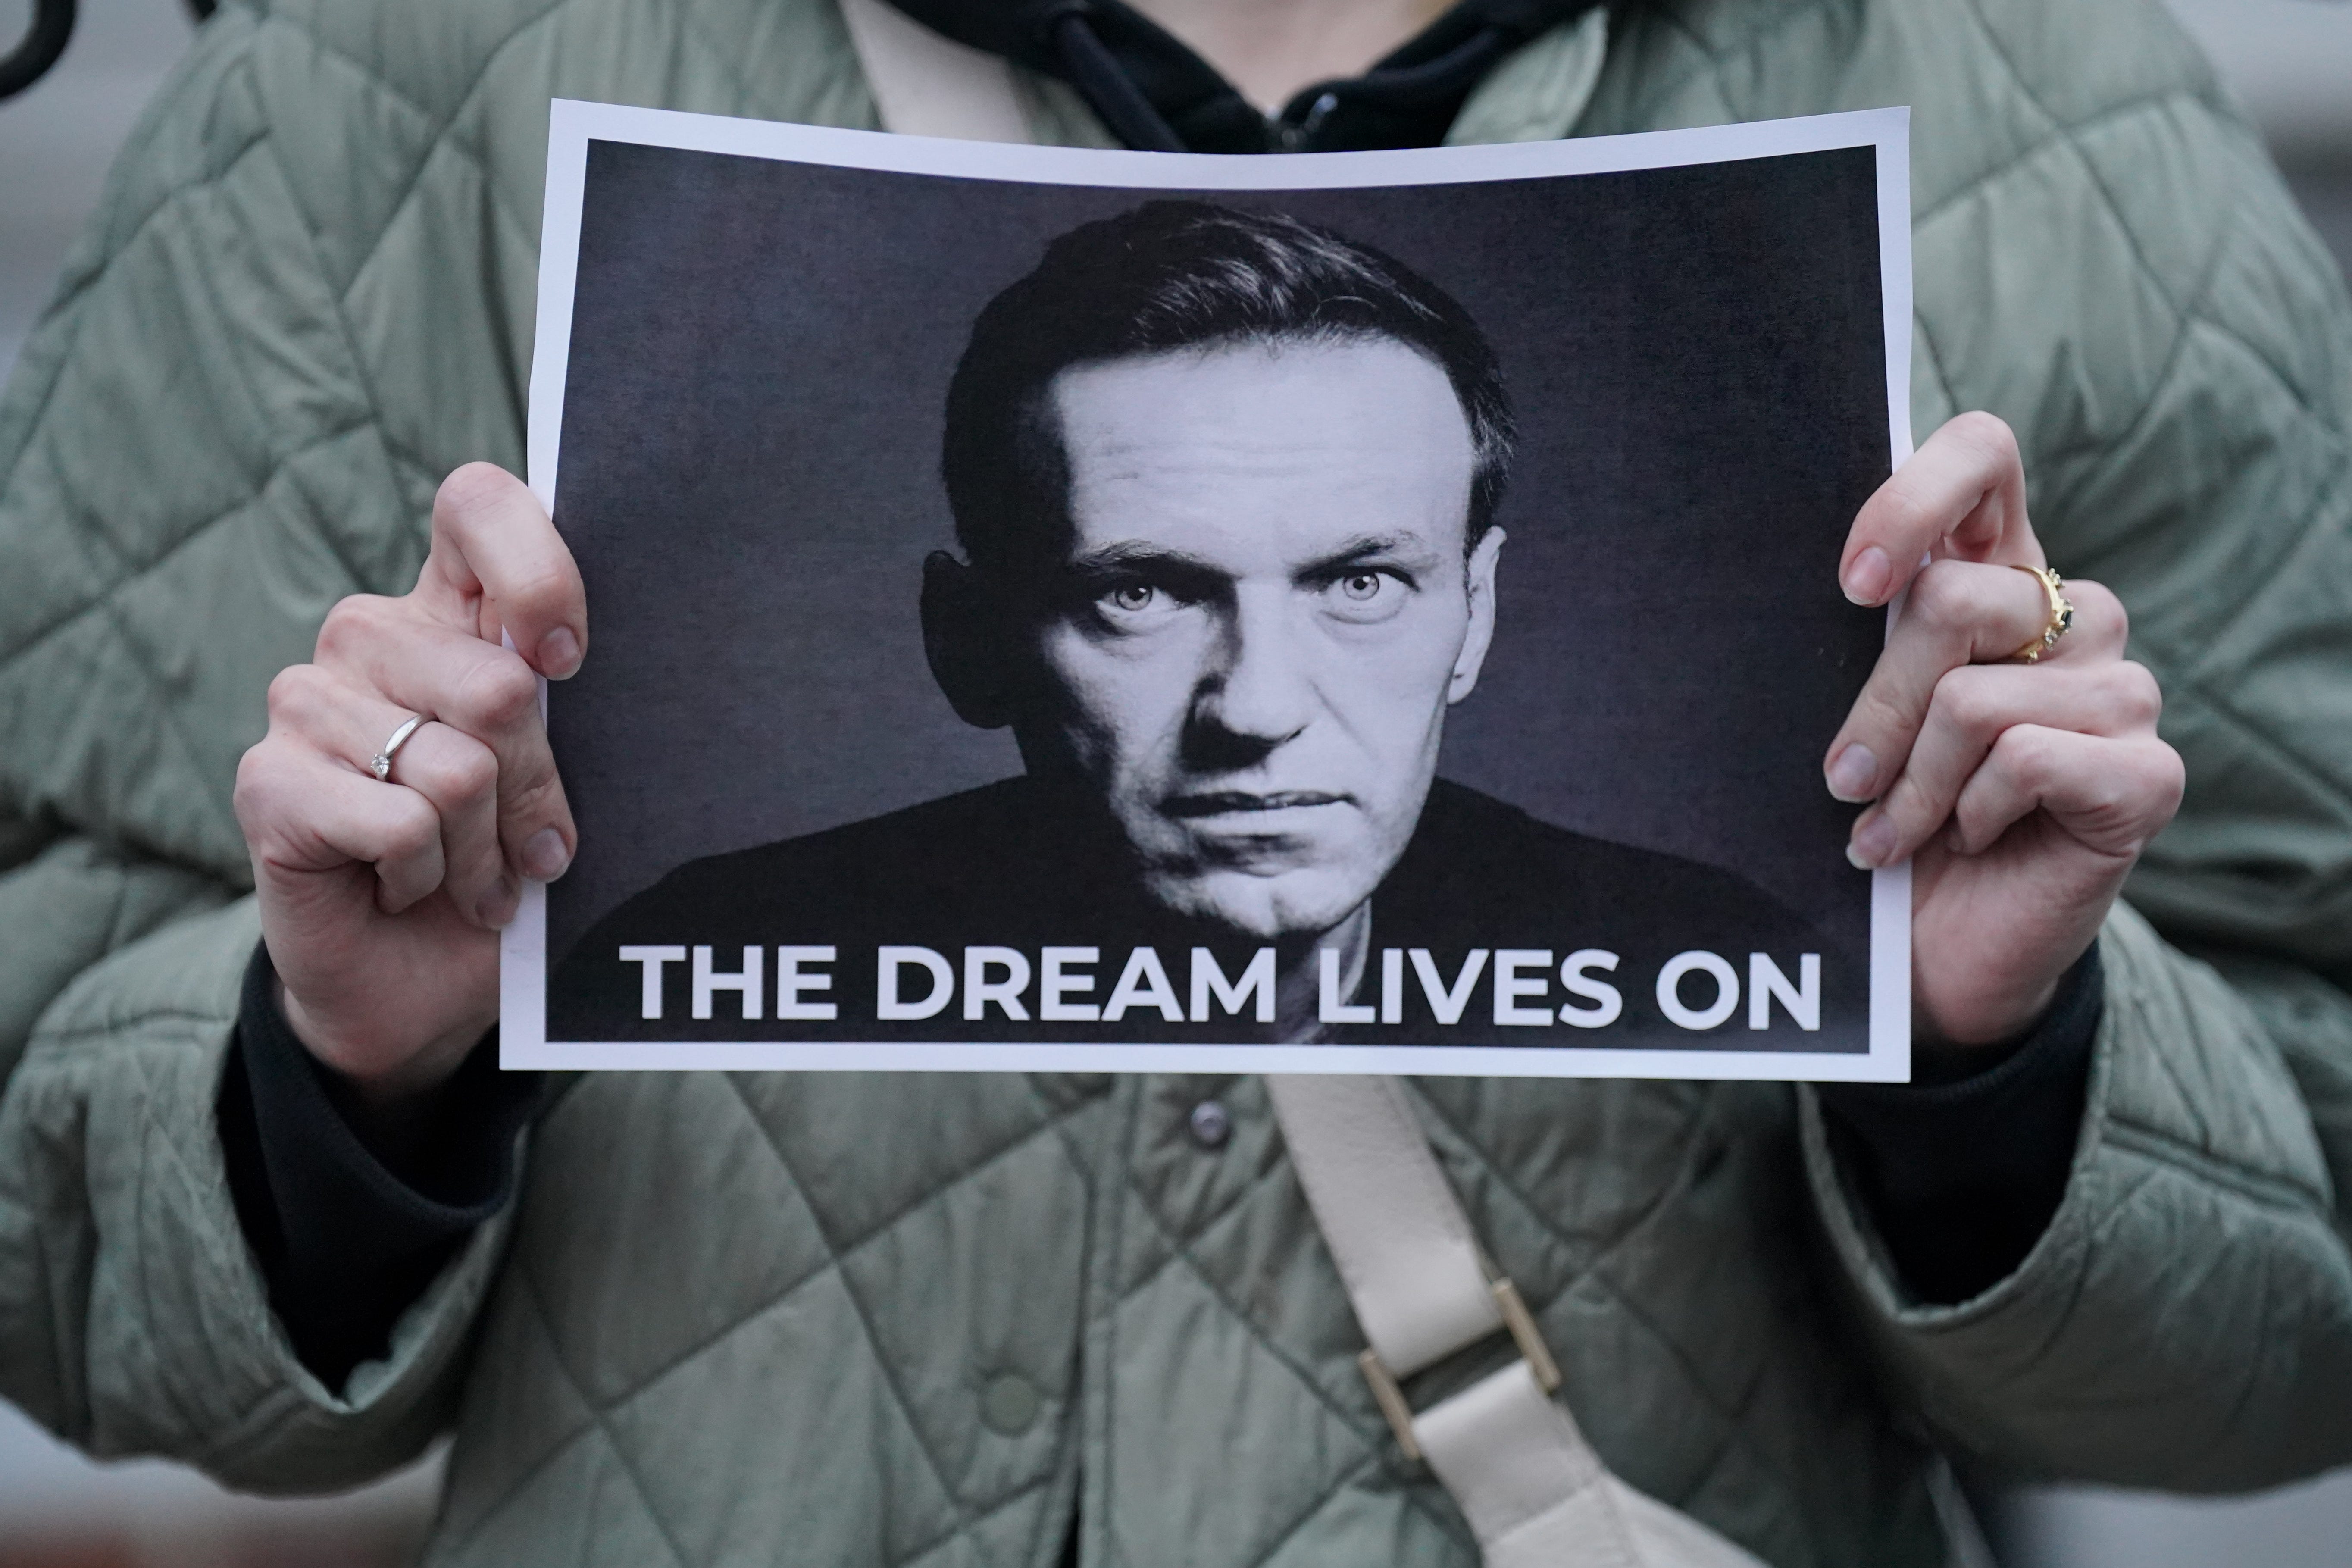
{"x":1854,"y":772}
{"x":544,"y":858}
{"x":1872,"y":844}
{"x":559,"y":654}
{"x":1867,"y":576}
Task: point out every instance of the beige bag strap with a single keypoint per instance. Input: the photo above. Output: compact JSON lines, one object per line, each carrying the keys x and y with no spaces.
{"x":928,"y":85}
{"x":1535,"y":1493}
{"x":1533,"y":1490}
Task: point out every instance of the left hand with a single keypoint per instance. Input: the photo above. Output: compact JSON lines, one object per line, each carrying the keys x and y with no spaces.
{"x":2022,"y":794}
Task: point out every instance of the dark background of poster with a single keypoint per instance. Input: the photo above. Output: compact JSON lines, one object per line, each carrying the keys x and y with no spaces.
{"x":759,"y":356}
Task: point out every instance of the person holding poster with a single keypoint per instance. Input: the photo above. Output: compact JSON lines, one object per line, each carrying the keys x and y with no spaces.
{"x":266,"y":1204}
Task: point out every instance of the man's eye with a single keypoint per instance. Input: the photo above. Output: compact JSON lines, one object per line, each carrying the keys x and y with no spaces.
{"x":1133,"y":598}
{"x":1365,"y":596}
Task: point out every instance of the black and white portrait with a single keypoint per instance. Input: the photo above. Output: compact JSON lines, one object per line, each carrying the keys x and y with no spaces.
{"x":1307,"y":620}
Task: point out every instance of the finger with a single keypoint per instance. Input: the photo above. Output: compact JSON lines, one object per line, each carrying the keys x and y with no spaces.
{"x":1973,"y":707}
{"x":352,"y":723}
{"x":458,"y":773}
{"x":1962,"y":493}
{"x":498,"y":562}
{"x":461,"y":776}
{"x":1960,"y":613}
{"x":2110,"y":795}
{"x":478,"y":689}
{"x":305,"y":812}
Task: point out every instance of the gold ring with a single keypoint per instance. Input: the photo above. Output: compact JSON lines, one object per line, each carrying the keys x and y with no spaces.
{"x":2062,"y":615}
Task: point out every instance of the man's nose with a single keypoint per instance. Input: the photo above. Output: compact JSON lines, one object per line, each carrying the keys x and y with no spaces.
{"x":1259,"y":688}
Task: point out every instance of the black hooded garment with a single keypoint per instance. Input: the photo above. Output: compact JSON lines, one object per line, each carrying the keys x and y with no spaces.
{"x":1158,"y":96}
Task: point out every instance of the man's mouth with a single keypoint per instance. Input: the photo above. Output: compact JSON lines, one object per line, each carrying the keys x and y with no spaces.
{"x":1234,"y":802}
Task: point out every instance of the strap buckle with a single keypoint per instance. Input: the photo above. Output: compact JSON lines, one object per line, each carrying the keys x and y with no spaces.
{"x":1522,"y":1323}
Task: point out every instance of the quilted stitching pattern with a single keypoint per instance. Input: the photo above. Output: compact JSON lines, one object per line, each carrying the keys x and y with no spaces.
{"x":827,"y":1295}
{"x":751,"y":1320}
{"x":115,"y":1218}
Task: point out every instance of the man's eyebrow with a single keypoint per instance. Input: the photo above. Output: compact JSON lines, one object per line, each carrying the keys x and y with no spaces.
{"x":1138,"y":554}
{"x":1403,"y":544}
{"x":1134,"y":554}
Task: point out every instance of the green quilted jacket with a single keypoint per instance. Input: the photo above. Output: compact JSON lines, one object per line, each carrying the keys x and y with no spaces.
{"x":919,"y":1320}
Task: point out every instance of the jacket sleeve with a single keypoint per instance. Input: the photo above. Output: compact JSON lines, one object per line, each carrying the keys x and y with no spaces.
{"x":2186,"y":1319}
{"x":2131,"y":287}
{"x":203,"y":448}
{"x":133,"y":1317}
{"x":350,"y":1232}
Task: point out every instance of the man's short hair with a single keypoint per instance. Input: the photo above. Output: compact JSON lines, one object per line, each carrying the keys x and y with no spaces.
{"x":1167,"y":275}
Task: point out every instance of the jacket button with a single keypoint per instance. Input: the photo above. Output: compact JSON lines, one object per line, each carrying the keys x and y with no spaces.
{"x":1008,"y":1405}
{"x":1211,"y":1124}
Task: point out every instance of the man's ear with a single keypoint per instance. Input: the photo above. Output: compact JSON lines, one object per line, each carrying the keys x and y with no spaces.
{"x":964,"y":639}
{"x":1478,"y":574}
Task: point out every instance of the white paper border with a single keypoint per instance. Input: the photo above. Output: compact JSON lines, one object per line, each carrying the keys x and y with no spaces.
{"x":573,"y":124}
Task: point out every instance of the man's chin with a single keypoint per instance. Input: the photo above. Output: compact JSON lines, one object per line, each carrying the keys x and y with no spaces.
{"x":1287,"y":906}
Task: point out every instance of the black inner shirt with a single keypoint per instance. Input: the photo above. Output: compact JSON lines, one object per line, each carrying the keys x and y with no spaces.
{"x":1156,"y":95}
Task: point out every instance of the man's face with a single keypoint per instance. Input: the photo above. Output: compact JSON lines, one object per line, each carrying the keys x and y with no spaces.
{"x":1263,"y":613}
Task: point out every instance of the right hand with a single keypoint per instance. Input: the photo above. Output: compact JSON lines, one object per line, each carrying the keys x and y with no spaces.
{"x":381,"y":903}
